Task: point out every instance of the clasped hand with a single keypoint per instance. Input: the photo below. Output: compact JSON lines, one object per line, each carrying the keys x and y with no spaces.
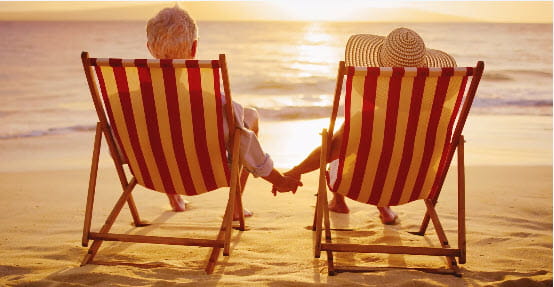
{"x":289,"y":182}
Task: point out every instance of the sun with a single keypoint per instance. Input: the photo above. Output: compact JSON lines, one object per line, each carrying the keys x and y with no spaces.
{"x":312,"y":10}
{"x":326,"y":10}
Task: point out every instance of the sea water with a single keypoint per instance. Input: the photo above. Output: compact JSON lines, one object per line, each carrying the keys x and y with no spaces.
{"x":287,"y":70}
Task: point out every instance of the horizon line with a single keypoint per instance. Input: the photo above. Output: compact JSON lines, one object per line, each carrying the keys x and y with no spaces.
{"x":279,"y":21}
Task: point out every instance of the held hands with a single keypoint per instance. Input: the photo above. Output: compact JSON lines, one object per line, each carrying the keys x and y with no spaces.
{"x":288,"y":182}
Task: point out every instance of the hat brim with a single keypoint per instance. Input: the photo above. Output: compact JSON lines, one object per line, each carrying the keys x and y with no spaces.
{"x":363,"y":50}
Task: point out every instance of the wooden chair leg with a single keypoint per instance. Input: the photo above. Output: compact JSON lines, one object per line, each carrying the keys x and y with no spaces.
{"x":214,"y":255}
{"x":424,"y":225}
{"x":324,"y":214}
{"x":240,"y":206}
{"x":234,"y":191}
{"x":323,"y":185}
{"x":451,"y":260}
{"x":228,"y":222}
{"x":426,"y":219}
{"x":224,"y":231}
{"x":330,"y":264}
{"x":321,"y":195}
{"x":315,"y":212}
{"x":318,"y":228}
{"x":323,"y":206}
{"x":461,"y":202}
{"x":242,"y":224}
{"x":134,"y":212}
{"x":121,"y":174}
{"x":109,"y":221}
{"x":327,"y":224}
{"x":461,"y":209}
{"x":92,"y":184}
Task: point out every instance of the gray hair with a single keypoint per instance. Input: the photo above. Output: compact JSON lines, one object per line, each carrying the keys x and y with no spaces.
{"x":171,"y":33}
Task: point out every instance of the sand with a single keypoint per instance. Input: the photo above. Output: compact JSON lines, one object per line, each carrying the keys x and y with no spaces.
{"x":509,"y":229}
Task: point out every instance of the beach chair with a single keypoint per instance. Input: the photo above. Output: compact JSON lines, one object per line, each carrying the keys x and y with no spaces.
{"x":401,"y":129}
{"x":164,"y":120}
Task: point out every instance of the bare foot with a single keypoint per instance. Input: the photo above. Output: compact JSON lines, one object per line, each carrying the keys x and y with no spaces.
{"x":387,"y":216}
{"x":338,"y":204}
{"x":177,"y":203}
{"x":245,"y":212}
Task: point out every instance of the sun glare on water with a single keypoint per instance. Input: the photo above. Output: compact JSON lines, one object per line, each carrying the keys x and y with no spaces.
{"x":311,"y":11}
{"x":316,"y":51}
{"x":323,"y":11}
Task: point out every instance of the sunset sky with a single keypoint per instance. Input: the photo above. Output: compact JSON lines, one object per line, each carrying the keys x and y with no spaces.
{"x":291,"y":10}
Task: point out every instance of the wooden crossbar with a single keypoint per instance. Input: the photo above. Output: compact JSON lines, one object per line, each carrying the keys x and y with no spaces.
{"x":362,"y":269}
{"x":153,"y":63}
{"x":156,"y":239}
{"x":390,"y":249}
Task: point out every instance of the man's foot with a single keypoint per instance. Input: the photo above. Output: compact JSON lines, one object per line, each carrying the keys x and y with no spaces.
{"x":177,"y":203}
{"x":387,"y":216}
{"x":338,"y":204}
{"x":245,"y":212}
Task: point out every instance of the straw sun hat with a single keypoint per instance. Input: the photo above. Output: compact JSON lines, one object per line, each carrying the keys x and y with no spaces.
{"x":401,"y":48}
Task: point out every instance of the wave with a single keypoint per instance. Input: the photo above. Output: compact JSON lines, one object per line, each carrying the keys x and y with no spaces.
{"x":287,"y":113}
{"x":510,"y":75}
{"x":290,"y":82}
{"x":529,"y":103}
{"x":496,"y":76}
{"x":493,"y":106}
{"x":50,"y":131}
{"x":485,"y":102}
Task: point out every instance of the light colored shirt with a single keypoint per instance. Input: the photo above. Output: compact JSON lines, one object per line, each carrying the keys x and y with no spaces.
{"x":253,"y":157}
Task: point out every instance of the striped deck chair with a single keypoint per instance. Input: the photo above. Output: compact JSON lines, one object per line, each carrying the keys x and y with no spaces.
{"x":401,"y":129}
{"x":164,"y":120}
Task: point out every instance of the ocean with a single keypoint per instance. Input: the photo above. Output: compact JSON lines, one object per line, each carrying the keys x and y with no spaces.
{"x":287,"y":70}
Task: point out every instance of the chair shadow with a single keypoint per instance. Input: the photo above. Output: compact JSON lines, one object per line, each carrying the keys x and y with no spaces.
{"x":343,"y":232}
{"x":156,"y":223}
{"x":143,"y":230}
{"x":146,"y":273}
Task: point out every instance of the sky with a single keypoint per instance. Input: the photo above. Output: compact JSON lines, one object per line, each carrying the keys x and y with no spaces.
{"x":289,"y":10}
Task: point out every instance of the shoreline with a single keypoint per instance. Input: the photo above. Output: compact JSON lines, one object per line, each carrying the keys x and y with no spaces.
{"x":491,"y":140}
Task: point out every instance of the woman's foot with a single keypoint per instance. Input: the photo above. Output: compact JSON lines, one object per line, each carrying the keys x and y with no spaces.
{"x":387,"y":216}
{"x":177,"y":203}
{"x":338,"y":204}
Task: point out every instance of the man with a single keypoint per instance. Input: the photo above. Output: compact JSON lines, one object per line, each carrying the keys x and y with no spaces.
{"x":401,"y":48}
{"x":173,"y":34}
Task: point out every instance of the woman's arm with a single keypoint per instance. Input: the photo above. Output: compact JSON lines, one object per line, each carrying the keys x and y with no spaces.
{"x":311,"y":162}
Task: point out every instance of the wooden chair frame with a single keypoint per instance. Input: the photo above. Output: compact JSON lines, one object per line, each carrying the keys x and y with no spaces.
{"x":223,"y":239}
{"x":322,"y":211}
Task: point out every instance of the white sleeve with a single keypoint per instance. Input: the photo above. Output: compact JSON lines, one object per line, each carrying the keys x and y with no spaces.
{"x":254,"y":159}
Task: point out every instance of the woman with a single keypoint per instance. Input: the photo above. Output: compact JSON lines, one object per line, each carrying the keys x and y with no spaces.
{"x":401,"y":48}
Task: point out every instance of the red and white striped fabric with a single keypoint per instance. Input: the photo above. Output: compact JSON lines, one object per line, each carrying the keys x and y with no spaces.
{"x":167,"y":118}
{"x":397,"y":132}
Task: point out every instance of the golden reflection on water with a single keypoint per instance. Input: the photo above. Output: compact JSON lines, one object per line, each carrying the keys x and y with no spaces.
{"x":316,"y":54}
{"x":290,"y":142}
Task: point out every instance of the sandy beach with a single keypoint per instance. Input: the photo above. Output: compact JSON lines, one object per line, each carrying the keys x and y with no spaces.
{"x":282,"y":58}
{"x":43,"y":184}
